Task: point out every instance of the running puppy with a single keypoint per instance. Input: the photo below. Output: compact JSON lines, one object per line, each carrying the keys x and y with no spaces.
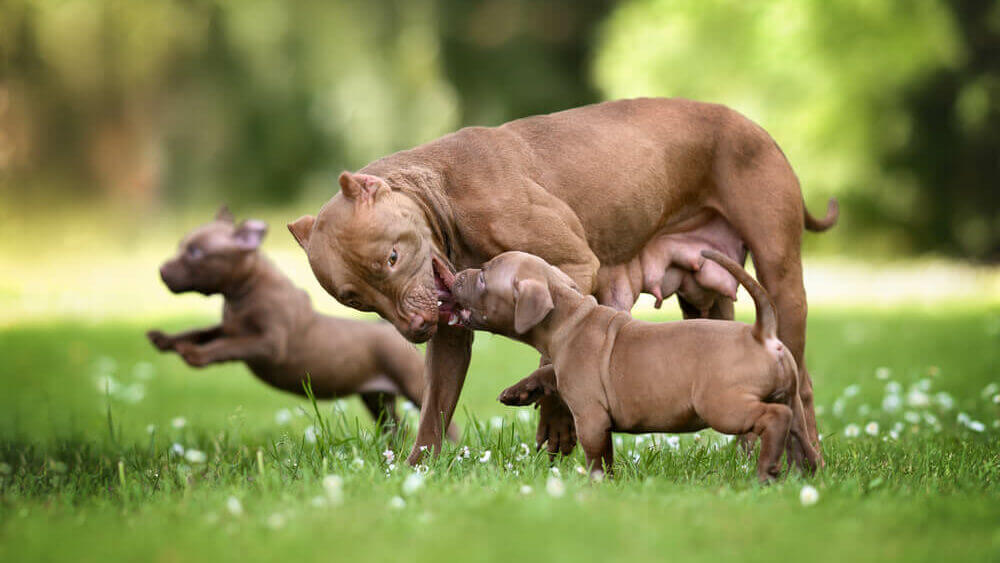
{"x":270,"y":325}
{"x":618,"y":374}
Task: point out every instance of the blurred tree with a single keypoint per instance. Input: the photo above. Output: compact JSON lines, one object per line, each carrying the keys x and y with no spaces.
{"x":953,"y":150}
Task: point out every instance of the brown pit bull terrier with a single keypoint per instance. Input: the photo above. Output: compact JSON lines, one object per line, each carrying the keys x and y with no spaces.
{"x":618,"y":374}
{"x":270,"y":325}
{"x":622,"y":196}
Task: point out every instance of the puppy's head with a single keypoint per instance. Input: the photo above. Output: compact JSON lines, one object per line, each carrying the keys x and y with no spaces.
{"x":509,"y":295}
{"x":214,"y":256}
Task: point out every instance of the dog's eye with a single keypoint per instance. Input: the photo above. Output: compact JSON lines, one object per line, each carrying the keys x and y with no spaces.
{"x":481,"y":279}
{"x":393,"y":258}
{"x":194,"y":252}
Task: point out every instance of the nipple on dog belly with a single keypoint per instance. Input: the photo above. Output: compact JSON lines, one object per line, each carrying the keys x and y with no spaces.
{"x":672,"y":263}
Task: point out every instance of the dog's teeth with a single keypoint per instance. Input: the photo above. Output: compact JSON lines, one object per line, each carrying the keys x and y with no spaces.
{"x":452,"y":320}
{"x":440,"y":302}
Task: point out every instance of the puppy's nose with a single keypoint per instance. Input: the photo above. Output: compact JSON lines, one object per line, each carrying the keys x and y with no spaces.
{"x":418,"y":323}
{"x":163,"y":273}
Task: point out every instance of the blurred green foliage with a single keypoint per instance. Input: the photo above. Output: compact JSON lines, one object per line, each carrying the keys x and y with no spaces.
{"x":894,"y":106}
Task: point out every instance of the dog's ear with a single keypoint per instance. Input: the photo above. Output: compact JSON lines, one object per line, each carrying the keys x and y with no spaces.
{"x":532,"y":302}
{"x":224,"y":215}
{"x":301,"y":229}
{"x":361,"y":187}
{"x":249,"y":234}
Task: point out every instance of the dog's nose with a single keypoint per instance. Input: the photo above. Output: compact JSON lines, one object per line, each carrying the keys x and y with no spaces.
{"x":418,"y":323}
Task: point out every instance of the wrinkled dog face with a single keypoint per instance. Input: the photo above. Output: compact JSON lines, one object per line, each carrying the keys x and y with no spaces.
{"x":509,"y":295}
{"x":371,"y":250}
{"x":213,"y":257}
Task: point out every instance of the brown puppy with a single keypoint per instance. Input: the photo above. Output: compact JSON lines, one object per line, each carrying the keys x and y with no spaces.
{"x":622,"y":196}
{"x":619,"y":374}
{"x":270,"y":325}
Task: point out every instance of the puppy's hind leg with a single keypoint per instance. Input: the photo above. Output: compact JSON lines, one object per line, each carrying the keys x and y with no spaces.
{"x":593,"y":427}
{"x":772,"y":427}
{"x":382,"y":407}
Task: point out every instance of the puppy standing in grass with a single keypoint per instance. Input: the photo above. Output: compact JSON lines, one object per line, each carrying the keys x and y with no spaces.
{"x":620,"y":374}
{"x":270,"y":325}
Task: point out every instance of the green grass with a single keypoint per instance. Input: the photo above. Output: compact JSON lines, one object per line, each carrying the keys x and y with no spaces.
{"x":83,"y":479}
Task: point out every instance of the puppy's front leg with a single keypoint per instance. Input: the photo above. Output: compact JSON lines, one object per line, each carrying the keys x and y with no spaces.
{"x":165,"y":342}
{"x":531,"y":389}
{"x":229,"y":349}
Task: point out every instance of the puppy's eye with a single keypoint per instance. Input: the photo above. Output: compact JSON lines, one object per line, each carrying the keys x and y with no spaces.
{"x":481,"y":279}
{"x":393,"y":258}
{"x":193,"y":252}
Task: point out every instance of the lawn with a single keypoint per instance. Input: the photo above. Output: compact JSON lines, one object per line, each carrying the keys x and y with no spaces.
{"x":110,"y":451}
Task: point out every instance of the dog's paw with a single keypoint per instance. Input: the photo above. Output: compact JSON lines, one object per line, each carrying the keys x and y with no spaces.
{"x":191,"y":354}
{"x":161,"y":341}
{"x":556,"y":428}
{"x":523,"y":393}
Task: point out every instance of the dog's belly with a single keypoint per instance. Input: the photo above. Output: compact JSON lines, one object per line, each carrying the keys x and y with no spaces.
{"x":671,"y":262}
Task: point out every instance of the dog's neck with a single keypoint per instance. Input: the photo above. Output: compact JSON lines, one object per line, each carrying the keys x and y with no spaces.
{"x":570,"y":310}
{"x":253,"y":274}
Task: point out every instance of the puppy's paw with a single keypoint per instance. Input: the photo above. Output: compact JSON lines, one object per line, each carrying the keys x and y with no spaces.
{"x":556,"y":428}
{"x":523,"y":393}
{"x":160,"y":340}
{"x":191,"y":354}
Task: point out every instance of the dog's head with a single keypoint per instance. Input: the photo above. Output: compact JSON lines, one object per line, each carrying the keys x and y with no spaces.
{"x":371,"y":248}
{"x":510,"y":294}
{"x":214,"y":257}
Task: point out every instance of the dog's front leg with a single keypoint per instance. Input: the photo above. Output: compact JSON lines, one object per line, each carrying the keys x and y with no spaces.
{"x":165,"y":342}
{"x":229,"y":349}
{"x":447,"y":361}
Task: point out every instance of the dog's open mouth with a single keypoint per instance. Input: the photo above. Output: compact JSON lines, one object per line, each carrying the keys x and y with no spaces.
{"x":448,"y":309}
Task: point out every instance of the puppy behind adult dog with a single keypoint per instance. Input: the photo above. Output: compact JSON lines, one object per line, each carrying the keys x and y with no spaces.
{"x":270,"y":325}
{"x":620,"y":374}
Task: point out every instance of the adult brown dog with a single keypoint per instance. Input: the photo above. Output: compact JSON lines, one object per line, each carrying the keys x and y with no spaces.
{"x":622,"y":196}
{"x":270,"y":325}
{"x":618,"y":374}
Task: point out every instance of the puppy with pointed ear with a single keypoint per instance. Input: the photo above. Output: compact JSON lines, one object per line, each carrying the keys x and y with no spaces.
{"x":361,"y":188}
{"x":301,"y":229}
{"x":249,"y":234}
{"x":532,"y":303}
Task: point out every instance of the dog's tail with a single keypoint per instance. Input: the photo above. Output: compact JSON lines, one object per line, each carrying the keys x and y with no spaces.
{"x":766,"y":325}
{"x":819,"y":225}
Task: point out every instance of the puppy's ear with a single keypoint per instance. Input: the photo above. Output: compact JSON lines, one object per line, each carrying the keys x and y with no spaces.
{"x":361,"y":187}
{"x":249,"y":234}
{"x":224,"y":215}
{"x":301,"y":229}
{"x":532,"y":302}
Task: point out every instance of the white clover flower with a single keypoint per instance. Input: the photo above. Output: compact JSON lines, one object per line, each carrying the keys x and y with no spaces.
{"x":619,"y":442}
{"x":924,"y":384}
{"x":931,"y":419}
{"x":555,"y":487}
{"x":852,"y":431}
{"x":177,"y":449}
{"x":106,"y":384}
{"x":333,"y":485}
{"x":150,"y":428}
{"x":639,"y":439}
{"x":397,"y":502}
{"x":893,"y":388}
{"x":389,"y":469}
{"x":892,"y":403}
{"x":963,"y":418}
{"x":357,"y":463}
{"x":133,"y":393}
{"x":976,"y":426}
{"x":894,"y":434}
{"x":581,"y":470}
{"x":990,"y":389}
{"x":897,"y":427}
{"x":864,"y":410}
{"x":523,"y":415}
{"x":408,"y":406}
{"x":413,"y":483}
{"x":310,"y":434}
{"x":486,"y":456}
{"x":852,"y":390}
{"x":838,"y":408}
{"x":808,"y":496}
{"x":911,"y":417}
{"x":496,"y":422}
{"x":282,"y":417}
{"x":234,"y":506}
{"x":143,"y":371}
{"x":179,"y":422}
{"x":525,"y":451}
{"x":996,"y":399}
{"x":463,"y":453}
{"x":917,"y":398}
{"x":944,"y":400}
{"x":871,"y":428}
{"x":509,"y":466}
{"x":195,"y":456}
{"x":276,"y":521}
{"x":674,"y":442}
{"x":883,"y":373}
{"x":389,"y":455}
{"x":526,"y":489}
{"x":554,"y":471}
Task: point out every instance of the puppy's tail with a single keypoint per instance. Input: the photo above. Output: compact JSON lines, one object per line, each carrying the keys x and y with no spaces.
{"x":819,"y":225}
{"x":766,"y":325}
